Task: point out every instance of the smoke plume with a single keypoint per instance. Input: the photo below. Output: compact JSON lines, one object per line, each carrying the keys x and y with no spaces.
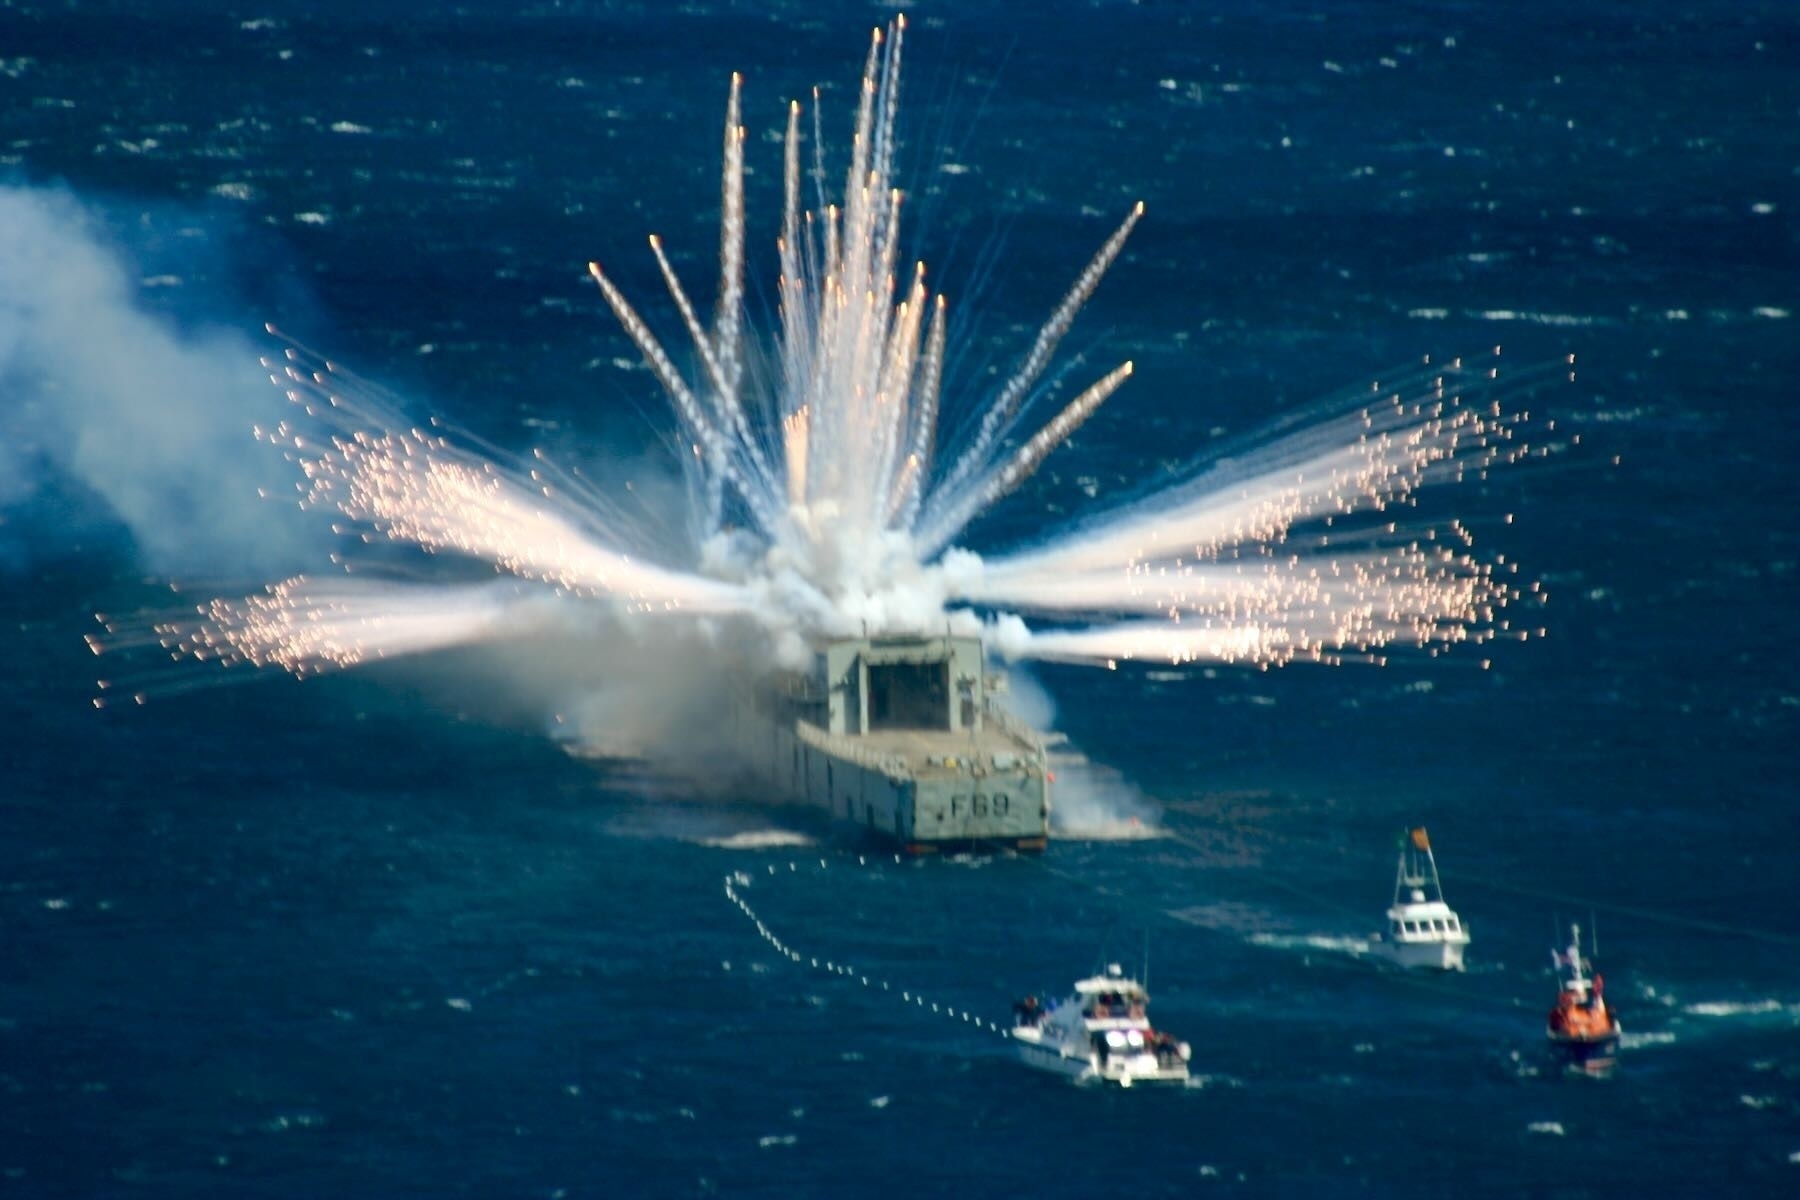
{"x":111,"y":413}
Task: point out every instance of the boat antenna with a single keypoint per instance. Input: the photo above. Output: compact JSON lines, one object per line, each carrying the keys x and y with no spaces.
{"x":1146,"y":980}
{"x":1105,"y":938}
{"x":1594,"y":932}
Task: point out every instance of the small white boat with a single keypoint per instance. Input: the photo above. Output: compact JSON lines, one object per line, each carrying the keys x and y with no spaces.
{"x":1422,"y":930}
{"x":1101,"y":1034}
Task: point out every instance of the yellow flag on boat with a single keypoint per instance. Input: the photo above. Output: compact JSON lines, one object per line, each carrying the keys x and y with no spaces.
{"x":1420,"y":840}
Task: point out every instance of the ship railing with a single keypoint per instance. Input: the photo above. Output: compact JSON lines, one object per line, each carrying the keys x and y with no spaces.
{"x":1017,"y":728}
{"x":844,"y":747}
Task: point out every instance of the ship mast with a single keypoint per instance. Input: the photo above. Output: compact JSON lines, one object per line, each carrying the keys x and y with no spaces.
{"x":1417,"y":869}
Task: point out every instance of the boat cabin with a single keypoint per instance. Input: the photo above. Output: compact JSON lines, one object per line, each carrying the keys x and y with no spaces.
{"x":1420,"y":920}
{"x":1112,"y":997}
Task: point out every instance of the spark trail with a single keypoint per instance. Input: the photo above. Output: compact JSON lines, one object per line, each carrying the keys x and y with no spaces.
{"x":822,"y":505}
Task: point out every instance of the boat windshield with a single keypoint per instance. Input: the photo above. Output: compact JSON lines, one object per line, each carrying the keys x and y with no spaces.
{"x":1108,"y":1005}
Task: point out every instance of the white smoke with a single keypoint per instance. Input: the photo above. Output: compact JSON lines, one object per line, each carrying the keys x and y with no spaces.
{"x":1088,"y":801}
{"x":150,"y":419}
{"x":1091,"y":802}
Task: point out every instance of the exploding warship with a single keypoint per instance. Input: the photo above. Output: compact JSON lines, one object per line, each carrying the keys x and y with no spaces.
{"x":905,"y":739}
{"x":826,"y":514}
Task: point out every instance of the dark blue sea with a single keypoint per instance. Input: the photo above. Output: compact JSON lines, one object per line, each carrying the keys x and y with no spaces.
{"x":376,"y":935}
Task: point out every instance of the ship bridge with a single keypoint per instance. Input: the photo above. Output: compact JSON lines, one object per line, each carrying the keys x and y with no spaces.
{"x":896,"y":684}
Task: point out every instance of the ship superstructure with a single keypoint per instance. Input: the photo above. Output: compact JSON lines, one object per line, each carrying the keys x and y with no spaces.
{"x":903,"y":738}
{"x":1422,"y":930}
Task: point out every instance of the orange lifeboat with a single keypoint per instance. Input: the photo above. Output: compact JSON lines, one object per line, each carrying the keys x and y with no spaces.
{"x":1582,"y":1029}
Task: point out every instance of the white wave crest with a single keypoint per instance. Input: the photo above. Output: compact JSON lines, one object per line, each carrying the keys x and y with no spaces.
{"x":758,"y":839}
{"x":1312,"y":941}
{"x":1739,"y":1008}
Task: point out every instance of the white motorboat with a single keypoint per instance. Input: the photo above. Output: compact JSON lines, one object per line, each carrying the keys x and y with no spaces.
{"x":1101,"y":1034}
{"x":1422,"y":930}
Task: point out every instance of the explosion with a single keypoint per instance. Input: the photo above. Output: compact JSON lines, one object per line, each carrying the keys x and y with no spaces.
{"x":822,"y":504}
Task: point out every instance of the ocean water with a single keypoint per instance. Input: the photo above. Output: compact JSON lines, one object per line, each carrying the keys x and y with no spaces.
{"x":377,"y":935}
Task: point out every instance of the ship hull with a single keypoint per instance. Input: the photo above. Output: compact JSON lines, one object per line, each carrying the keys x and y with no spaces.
{"x":952,"y":808}
{"x":1434,"y":955}
{"x":1590,"y":1055}
{"x":894,"y":739}
{"x":1119,"y":1070}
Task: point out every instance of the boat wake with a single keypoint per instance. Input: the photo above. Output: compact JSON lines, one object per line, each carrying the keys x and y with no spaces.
{"x":1225,"y":916}
{"x":704,"y":826}
{"x":1743,"y":1009}
{"x":759,"y":839}
{"x":1355,"y":947}
{"x":1212,"y":1081}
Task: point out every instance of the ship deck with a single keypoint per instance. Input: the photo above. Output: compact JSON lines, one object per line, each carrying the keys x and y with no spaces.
{"x":925,"y":752}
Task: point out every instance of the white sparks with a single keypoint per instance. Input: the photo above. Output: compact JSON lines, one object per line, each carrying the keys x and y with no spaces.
{"x":827,"y":505}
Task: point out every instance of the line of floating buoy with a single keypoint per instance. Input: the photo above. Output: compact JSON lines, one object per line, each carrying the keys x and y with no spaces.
{"x":739,"y":880}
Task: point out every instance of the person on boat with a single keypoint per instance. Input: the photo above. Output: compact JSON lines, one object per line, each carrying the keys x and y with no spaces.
{"x":1602,"y":1010}
{"x":1566,"y":1011}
